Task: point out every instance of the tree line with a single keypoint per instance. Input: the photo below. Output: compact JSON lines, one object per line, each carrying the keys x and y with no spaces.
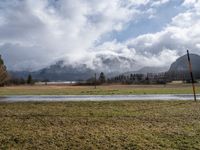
{"x":149,"y":78}
{"x":21,"y":81}
{"x":6,"y":79}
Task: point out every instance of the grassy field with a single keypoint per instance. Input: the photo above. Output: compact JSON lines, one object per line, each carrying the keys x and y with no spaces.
{"x":100,"y":125}
{"x":101,"y":90}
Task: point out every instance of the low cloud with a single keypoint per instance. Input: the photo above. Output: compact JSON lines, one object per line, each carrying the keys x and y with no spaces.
{"x":35,"y":33}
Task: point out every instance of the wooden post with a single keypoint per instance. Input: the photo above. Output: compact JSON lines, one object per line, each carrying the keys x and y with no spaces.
{"x":191,"y":74}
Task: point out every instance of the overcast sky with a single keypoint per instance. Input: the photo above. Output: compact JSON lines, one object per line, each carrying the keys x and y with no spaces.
{"x":36,"y":33}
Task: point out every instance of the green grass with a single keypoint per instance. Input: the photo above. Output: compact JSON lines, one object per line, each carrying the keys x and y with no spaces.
{"x":100,"y":125}
{"x":101,"y":90}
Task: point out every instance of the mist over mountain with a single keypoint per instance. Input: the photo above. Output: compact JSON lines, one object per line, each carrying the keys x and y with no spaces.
{"x":58,"y":72}
{"x":111,"y":65}
{"x":63,"y":71}
{"x":146,"y":70}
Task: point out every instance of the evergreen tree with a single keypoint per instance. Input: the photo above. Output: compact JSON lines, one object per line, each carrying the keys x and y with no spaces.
{"x":29,"y":79}
{"x":102,"y":78}
{"x":3,"y":73}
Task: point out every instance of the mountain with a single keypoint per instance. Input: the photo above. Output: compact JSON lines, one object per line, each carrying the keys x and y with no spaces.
{"x":180,"y":69}
{"x":58,"y":72}
{"x":181,"y":64}
{"x":111,"y":65}
{"x":61,"y":71}
{"x":146,"y":70}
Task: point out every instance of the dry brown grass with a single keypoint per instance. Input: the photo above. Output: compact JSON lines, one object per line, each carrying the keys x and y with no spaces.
{"x":100,"y":125}
{"x":101,"y":90}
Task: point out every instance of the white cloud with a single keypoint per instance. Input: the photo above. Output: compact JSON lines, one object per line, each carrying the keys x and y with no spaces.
{"x":137,"y":3}
{"x":189,"y":2}
{"x":159,"y":3}
{"x":162,"y":48}
{"x":41,"y":32}
{"x":60,"y":28}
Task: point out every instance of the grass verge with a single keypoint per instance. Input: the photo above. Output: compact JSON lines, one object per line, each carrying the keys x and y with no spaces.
{"x":100,"y":125}
{"x":101,"y":90}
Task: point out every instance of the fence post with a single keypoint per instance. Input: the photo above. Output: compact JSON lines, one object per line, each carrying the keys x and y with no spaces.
{"x":191,"y":74}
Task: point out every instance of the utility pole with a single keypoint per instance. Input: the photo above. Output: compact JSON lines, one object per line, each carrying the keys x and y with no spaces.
{"x":191,"y":74}
{"x":95,"y":80}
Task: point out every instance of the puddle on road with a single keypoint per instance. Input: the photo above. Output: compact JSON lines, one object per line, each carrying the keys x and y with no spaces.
{"x":55,"y":98}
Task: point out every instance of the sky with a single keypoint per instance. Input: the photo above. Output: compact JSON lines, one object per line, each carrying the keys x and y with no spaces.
{"x":37,"y":33}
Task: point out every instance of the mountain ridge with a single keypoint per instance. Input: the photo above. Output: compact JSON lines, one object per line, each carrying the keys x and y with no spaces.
{"x":60,"y":71}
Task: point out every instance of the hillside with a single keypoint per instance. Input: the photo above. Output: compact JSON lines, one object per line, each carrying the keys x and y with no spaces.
{"x":111,"y":65}
{"x":179,"y":69}
{"x":146,"y":70}
{"x":61,"y":71}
